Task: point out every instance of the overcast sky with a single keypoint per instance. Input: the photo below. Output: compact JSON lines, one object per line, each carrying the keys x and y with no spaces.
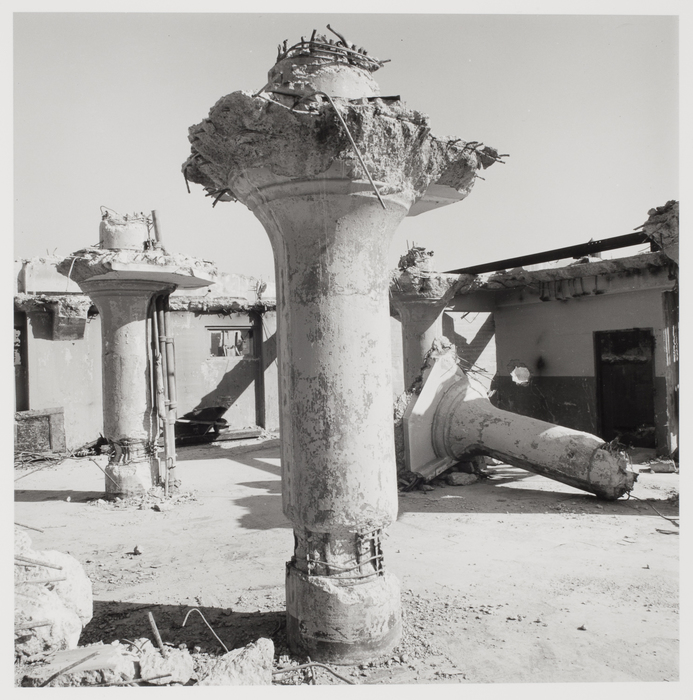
{"x":586,"y":106}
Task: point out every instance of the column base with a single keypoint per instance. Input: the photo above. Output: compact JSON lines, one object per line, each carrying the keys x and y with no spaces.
{"x":342,"y":623}
{"x":131,"y":479}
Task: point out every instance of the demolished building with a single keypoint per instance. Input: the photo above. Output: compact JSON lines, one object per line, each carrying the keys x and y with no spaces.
{"x":225,"y":350}
{"x":590,"y":344}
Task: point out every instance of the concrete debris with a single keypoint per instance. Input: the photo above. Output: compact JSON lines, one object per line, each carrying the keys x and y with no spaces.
{"x":250,"y":665}
{"x":416,"y":257}
{"x":660,"y":466}
{"x":662,"y":227}
{"x":304,"y":144}
{"x":64,"y":305}
{"x":461,"y":479}
{"x":42,"y":597}
{"x":94,"y":262}
{"x":519,"y":277}
{"x":177,"y":663}
{"x":223,"y":305}
{"x":112,"y":664}
{"x":57,"y":628}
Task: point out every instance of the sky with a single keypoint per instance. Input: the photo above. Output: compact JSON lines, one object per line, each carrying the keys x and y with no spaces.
{"x":586,"y":106}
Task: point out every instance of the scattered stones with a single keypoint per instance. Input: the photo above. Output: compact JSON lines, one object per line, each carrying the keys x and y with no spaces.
{"x":461,"y":479}
{"x":250,"y":665}
{"x":662,"y":466}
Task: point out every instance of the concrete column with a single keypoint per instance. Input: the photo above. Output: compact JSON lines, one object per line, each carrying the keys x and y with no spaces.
{"x":127,"y":404}
{"x":422,"y":323}
{"x":331,"y":239}
{"x":330,"y":170}
{"x":452,"y":419}
{"x":420,"y":295}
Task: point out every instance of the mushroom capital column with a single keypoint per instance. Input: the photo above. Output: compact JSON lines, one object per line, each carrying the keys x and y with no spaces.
{"x":331,"y":238}
{"x":330,"y":169}
{"x":422,"y":323}
{"x":419,"y":297}
{"x":127,"y":403}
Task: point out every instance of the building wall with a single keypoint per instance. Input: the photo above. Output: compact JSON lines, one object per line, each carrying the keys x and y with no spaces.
{"x":555,"y":341}
{"x":66,"y":373}
{"x":230,"y":382}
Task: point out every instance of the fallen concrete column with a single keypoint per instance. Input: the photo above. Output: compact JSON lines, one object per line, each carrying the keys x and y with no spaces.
{"x":452,"y":419}
{"x":330,"y":169}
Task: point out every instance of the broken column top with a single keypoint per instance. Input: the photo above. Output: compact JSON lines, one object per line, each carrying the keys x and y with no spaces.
{"x":336,"y":67}
{"x":321,"y":115}
{"x":416,"y":278}
{"x":127,"y":251}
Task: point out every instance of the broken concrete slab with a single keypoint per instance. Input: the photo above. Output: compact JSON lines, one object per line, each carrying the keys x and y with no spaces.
{"x":52,"y":602}
{"x":43,"y":623}
{"x":75,"y":591}
{"x":112,"y":664}
{"x":177,"y":665}
{"x":250,"y":665}
{"x":660,"y":466}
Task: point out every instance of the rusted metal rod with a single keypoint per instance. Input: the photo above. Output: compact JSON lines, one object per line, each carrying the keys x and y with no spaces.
{"x":31,"y":625}
{"x":67,"y":668}
{"x":157,"y":636}
{"x":311,"y":665}
{"x":105,"y":472}
{"x":206,"y":623}
{"x":41,"y":580}
{"x":20,"y":561}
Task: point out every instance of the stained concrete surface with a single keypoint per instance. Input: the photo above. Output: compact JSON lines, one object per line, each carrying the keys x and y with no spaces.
{"x":513,"y":579}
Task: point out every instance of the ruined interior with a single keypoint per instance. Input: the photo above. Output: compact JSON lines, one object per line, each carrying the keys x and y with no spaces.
{"x":334,"y":585}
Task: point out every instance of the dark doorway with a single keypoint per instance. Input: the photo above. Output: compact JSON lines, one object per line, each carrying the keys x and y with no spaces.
{"x":625,"y":385}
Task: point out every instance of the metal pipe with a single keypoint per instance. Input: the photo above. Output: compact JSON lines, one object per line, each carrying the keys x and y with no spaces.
{"x":158,"y":391}
{"x":169,"y":371}
{"x":168,"y":449}
{"x":157,"y":227}
{"x":573,"y":251}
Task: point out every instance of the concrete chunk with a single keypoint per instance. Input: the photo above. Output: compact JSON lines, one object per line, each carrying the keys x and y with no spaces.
{"x":177,"y":663}
{"x":250,"y":665}
{"x":111,"y":665}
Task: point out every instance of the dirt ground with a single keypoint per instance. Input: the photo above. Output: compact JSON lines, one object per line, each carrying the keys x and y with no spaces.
{"x":514,"y":579}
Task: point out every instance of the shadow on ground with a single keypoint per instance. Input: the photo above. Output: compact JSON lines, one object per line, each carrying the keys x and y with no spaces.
{"x":117,"y":620}
{"x":503,"y":492}
{"x":34,"y":495}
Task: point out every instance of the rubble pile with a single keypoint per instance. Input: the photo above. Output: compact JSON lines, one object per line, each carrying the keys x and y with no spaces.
{"x":53,"y":599}
{"x":662,"y":227}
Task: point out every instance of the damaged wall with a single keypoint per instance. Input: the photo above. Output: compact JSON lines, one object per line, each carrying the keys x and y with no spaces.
{"x":555,"y":342}
{"x":66,"y":373}
{"x":61,"y":350}
{"x":210,"y":376}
